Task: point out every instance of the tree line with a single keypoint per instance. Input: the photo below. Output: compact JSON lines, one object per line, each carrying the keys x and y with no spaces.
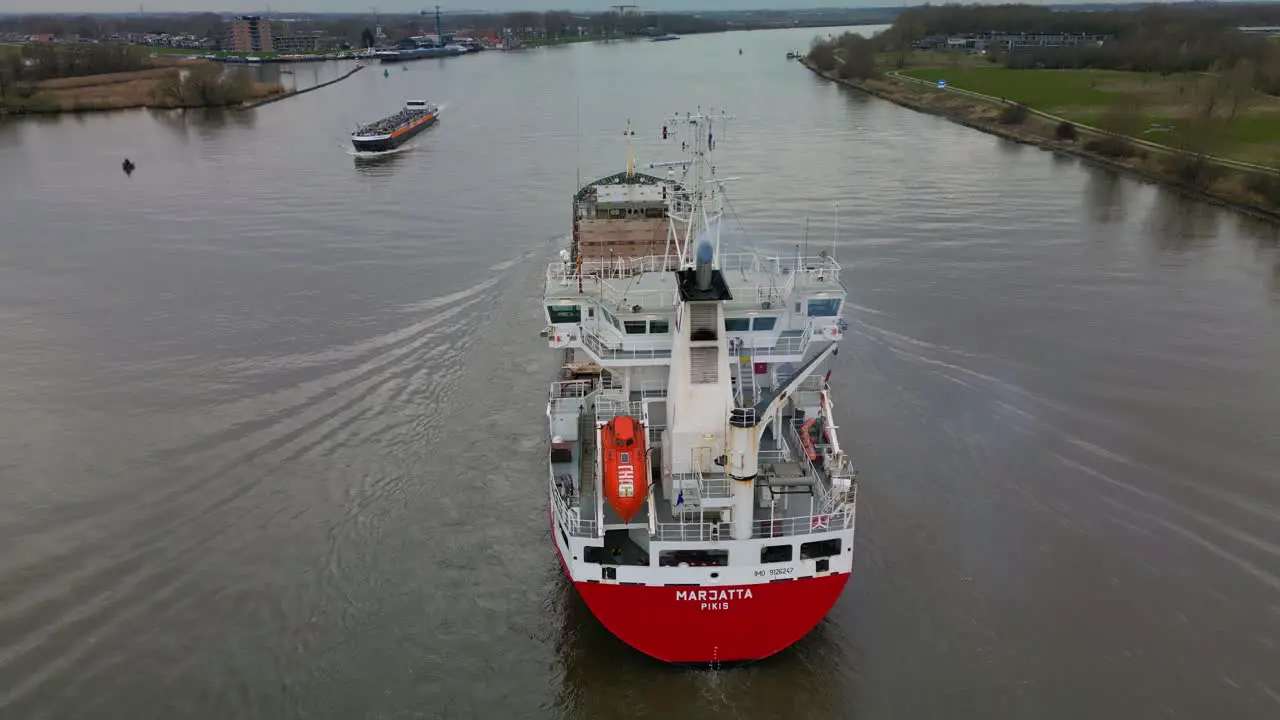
{"x":204,"y":85}
{"x":353,"y":29}
{"x":1164,"y":39}
{"x":20,"y":66}
{"x":1016,"y":18}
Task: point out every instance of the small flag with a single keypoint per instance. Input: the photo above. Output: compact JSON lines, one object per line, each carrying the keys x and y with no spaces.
{"x":680,"y":497}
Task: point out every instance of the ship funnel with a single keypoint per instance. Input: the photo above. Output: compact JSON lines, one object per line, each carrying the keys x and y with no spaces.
{"x":702,"y":271}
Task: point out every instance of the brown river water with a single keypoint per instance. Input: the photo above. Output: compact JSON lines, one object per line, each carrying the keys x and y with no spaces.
{"x":272,"y":433}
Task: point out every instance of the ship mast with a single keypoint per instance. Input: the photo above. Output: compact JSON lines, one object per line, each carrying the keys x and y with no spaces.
{"x":631,"y":159}
{"x":694,"y":205}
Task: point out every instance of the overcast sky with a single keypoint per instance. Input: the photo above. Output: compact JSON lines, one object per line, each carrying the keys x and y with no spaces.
{"x":404,"y":6}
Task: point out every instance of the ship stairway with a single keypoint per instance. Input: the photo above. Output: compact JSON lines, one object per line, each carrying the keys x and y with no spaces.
{"x":587,"y":440}
{"x":746,"y":385}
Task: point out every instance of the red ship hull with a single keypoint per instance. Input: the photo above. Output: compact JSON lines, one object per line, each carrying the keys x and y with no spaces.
{"x":729,"y":628}
{"x":712,"y":624}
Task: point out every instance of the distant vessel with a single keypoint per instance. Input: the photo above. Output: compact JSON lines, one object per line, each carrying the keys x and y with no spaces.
{"x":438,"y":48}
{"x":792,"y":55}
{"x":420,"y":53}
{"x":391,"y":132}
{"x":663,"y":38}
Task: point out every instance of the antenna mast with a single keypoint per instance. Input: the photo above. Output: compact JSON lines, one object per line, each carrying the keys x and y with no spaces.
{"x":697,"y":196}
{"x":577,"y":142}
{"x":631,"y":161}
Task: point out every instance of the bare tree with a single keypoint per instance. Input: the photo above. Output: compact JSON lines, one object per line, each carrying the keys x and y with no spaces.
{"x":859,"y":57}
{"x":1240,"y":87}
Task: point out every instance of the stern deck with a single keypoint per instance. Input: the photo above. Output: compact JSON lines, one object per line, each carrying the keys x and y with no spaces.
{"x":800,"y":495}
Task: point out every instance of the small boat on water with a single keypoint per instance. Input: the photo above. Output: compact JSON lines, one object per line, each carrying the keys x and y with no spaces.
{"x":666,"y":37}
{"x":391,"y":132}
{"x":792,"y":55}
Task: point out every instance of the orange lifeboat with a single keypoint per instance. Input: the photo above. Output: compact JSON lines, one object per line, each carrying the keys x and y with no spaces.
{"x":626,"y":474}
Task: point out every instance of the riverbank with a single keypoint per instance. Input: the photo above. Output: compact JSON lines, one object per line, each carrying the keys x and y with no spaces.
{"x":295,"y":93}
{"x":115,"y":91}
{"x":1251,"y":189}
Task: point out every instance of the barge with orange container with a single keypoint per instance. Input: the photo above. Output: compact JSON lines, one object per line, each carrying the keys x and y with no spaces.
{"x":391,"y":132}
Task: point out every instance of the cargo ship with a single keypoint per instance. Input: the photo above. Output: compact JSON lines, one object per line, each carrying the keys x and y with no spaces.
{"x":421,"y":52}
{"x":440,"y":45}
{"x":391,"y":132}
{"x":701,"y":500}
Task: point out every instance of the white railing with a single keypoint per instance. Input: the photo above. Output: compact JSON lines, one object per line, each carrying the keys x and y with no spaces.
{"x":716,"y":487}
{"x":564,"y":272}
{"x":653,"y":389}
{"x":697,"y":487}
{"x":608,"y":408}
{"x":821,"y":268}
{"x":570,"y":517}
{"x":782,"y":346}
{"x":568,"y":397}
{"x":785,"y":268}
{"x":809,"y":393}
{"x":691,"y":532}
{"x":630,"y":350}
{"x":779,"y":455}
{"x":815,"y":265}
{"x":839,"y":519}
{"x":572,"y":389}
{"x":799,"y":453}
{"x":624,"y":299}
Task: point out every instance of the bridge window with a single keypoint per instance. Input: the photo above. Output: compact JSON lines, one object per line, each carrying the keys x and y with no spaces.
{"x":824,"y":308}
{"x":775,"y":553}
{"x":693,"y":558}
{"x":820,"y":549}
{"x":737,"y":324}
{"x":564,"y":314}
{"x":763,"y":323}
{"x":659,"y":327}
{"x":635,"y":327}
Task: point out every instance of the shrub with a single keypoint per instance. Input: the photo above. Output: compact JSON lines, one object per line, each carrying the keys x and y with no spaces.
{"x":1014,"y":114}
{"x":1112,"y":146}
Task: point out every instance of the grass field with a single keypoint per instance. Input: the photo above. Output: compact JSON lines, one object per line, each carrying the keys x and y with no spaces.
{"x":1152,"y":102}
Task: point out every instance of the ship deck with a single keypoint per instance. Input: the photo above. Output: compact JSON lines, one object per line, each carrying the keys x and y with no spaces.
{"x":614,"y":238}
{"x":803,"y":490}
{"x":649,"y":282}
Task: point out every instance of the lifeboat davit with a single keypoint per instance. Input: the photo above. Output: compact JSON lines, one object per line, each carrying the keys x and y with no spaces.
{"x":626,"y":474}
